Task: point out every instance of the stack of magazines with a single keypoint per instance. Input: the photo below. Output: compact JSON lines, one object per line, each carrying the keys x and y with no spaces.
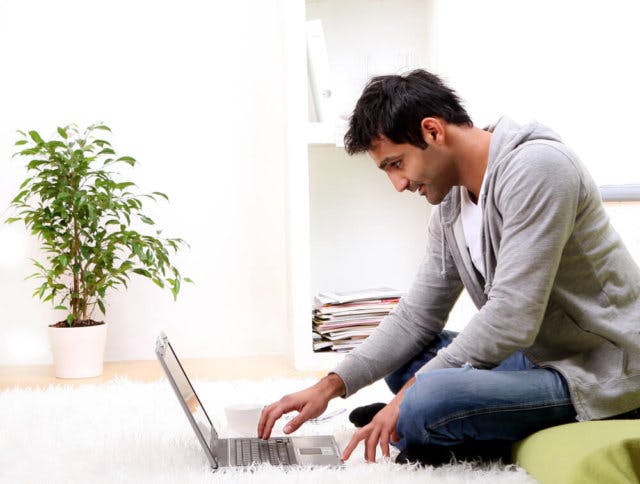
{"x":343,"y":320}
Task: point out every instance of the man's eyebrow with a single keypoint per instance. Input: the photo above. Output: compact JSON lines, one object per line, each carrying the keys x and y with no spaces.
{"x":389,"y":159}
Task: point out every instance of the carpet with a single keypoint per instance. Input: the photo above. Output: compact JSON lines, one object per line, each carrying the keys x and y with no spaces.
{"x":125,"y":431}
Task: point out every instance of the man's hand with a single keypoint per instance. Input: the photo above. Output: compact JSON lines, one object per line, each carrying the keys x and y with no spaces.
{"x":310,"y":403}
{"x":381,"y":429}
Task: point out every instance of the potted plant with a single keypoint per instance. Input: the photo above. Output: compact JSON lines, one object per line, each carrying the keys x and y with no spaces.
{"x":86,"y":218}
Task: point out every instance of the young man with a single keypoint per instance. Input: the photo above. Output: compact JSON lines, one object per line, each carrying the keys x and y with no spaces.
{"x":520,"y":224}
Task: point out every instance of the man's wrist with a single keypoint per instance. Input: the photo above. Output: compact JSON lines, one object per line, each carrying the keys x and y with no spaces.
{"x":400,"y":395}
{"x":332,"y":386}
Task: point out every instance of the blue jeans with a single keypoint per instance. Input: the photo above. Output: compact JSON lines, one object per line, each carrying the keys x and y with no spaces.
{"x":455,"y":405}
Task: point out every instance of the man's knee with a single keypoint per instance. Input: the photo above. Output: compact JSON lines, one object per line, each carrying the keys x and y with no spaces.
{"x":429,"y":406}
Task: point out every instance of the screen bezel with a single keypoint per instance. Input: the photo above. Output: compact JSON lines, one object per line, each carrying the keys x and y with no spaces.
{"x":209,"y":448}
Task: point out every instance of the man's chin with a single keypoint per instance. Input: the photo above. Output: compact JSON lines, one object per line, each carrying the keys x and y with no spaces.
{"x":435,"y":198}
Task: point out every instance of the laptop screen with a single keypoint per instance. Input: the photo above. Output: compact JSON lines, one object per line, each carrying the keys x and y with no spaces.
{"x":189,"y":396}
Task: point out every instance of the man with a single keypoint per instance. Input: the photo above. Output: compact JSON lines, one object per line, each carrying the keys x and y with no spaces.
{"x":520,"y":224}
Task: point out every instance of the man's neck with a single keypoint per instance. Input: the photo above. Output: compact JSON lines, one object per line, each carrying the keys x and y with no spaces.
{"x":472,"y":155}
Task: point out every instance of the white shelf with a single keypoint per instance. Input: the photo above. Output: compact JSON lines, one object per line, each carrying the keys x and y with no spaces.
{"x":348,"y":228}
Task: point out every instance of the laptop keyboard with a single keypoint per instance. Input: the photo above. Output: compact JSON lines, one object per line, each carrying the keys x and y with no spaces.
{"x":273,"y":451}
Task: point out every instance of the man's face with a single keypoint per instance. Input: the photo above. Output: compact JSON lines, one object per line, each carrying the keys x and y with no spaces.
{"x":430,"y":172}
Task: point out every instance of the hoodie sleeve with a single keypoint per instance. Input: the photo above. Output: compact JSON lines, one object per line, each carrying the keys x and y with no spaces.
{"x":418,"y":318}
{"x":537,"y":195}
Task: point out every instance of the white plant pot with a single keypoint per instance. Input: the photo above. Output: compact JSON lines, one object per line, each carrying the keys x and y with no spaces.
{"x":78,"y":352}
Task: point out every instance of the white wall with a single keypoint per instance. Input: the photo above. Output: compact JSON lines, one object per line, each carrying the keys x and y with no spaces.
{"x":193,"y":90}
{"x":569,"y":64}
{"x":363,"y":233}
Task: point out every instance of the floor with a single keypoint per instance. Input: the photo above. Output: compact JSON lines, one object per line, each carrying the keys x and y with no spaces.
{"x":198,"y":369}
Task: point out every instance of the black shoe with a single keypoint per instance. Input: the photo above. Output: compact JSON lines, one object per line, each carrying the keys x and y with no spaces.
{"x":425,"y":455}
{"x":361,"y":416}
{"x":477,"y":450}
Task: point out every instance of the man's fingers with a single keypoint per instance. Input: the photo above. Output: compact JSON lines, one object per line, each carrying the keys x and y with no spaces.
{"x":271,"y":417}
{"x":384,"y":444}
{"x":296,"y":423}
{"x":370,"y":446}
{"x":263,"y":419}
{"x":353,"y":443}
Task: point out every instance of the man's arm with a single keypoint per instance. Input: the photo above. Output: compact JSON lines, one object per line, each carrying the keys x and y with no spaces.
{"x":412,"y":325}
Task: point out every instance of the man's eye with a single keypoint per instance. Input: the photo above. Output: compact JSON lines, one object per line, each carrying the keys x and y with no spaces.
{"x":396,"y":164}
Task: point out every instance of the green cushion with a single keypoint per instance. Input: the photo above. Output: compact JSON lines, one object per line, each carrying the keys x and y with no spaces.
{"x":602,"y":451}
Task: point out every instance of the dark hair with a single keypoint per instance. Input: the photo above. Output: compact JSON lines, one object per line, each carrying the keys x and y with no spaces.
{"x":395,"y":105}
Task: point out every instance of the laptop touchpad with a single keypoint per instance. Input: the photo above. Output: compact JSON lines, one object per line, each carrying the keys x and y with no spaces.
{"x":316,"y":451}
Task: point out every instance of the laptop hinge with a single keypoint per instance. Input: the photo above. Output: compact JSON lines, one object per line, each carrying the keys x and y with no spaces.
{"x":213,"y":445}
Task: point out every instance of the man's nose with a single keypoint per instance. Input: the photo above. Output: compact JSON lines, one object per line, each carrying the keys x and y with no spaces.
{"x":399,"y":182}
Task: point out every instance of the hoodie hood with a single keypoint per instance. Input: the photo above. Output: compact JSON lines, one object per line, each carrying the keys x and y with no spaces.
{"x":508,"y":137}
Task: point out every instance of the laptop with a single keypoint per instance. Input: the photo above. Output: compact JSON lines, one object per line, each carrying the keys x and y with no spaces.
{"x":320,"y":450}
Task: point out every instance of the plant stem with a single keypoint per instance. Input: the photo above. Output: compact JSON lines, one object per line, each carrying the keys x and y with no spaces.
{"x":76,"y":252}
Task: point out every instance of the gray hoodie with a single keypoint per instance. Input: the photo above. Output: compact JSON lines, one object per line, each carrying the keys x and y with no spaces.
{"x":560,"y":284}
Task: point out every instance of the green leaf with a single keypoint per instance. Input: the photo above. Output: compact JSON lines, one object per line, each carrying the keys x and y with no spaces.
{"x":19,"y":196}
{"x":10,"y":220}
{"x":62,"y":133}
{"x":147,"y":220}
{"x":102,"y":126}
{"x":101,"y":306}
{"x":56,"y":144}
{"x":70,"y":319}
{"x":27,"y":152}
{"x":123,"y":185}
{"x":35,"y":137}
{"x":35,"y":163}
{"x":21,"y":142}
{"x":61,"y":308}
{"x":127,"y":159}
{"x":186,"y":279}
{"x":159,"y":283}
{"x":142,"y":272}
{"x":161,"y":195}
{"x":175,"y":289}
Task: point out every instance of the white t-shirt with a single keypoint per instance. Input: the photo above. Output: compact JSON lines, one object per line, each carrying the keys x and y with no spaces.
{"x":472,"y":225}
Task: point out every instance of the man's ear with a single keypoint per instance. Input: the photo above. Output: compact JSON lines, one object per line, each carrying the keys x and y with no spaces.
{"x":432,"y":131}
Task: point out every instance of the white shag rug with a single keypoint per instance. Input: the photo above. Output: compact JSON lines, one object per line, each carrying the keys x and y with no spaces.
{"x":124,"y":431}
